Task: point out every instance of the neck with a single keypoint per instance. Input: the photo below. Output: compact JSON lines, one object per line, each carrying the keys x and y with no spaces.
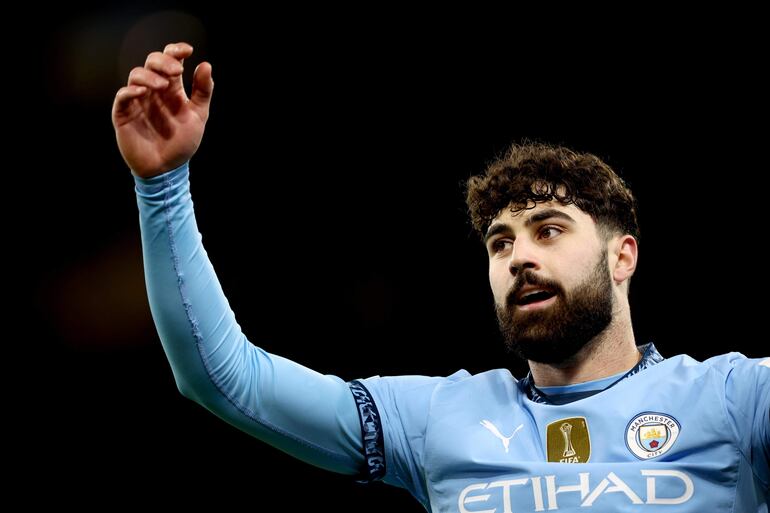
{"x":610,"y":352}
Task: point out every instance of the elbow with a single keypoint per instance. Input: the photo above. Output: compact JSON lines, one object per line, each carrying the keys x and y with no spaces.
{"x":209,"y":398}
{"x":198,"y":393}
{"x":186,"y":390}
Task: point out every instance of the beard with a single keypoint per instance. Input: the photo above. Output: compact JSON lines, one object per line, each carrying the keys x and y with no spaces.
{"x":556,"y":333}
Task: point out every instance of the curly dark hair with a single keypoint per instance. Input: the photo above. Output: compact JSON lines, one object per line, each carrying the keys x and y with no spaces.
{"x":537,"y":172}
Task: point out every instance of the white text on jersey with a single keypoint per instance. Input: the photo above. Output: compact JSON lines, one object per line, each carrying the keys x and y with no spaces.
{"x":544,"y":491}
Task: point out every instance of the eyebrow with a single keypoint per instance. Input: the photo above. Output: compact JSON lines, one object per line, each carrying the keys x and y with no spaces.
{"x":542,"y":215}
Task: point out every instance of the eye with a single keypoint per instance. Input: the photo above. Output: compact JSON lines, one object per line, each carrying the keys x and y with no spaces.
{"x":548,"y":229}
{"x":499,"y":245}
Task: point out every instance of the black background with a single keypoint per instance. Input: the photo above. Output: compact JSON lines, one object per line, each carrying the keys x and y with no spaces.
{"x":328,"y":192}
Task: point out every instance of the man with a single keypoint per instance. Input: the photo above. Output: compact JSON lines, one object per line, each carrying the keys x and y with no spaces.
{"x":598,"y":423}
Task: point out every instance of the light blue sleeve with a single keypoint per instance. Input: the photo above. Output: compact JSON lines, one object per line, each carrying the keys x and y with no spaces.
{"x":403,"y":405}
{"x":308,"y":415}
{"x":747,"y":394}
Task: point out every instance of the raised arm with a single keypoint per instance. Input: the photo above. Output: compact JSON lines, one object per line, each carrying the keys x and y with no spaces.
{"x":311,"y":416}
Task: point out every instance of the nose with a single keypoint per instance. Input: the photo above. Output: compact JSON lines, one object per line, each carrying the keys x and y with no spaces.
{"x":523,"y":256}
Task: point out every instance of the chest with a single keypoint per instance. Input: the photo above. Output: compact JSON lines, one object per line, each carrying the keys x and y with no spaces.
{"x":620,"y":447}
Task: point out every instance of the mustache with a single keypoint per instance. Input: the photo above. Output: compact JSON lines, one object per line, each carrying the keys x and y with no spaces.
{"x":528,"y":277}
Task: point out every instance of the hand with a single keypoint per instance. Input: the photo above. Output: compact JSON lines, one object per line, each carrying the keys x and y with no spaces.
{"x":157,"y":127}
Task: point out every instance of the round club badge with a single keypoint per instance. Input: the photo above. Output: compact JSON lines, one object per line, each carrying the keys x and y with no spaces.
{"x":651,"y":434}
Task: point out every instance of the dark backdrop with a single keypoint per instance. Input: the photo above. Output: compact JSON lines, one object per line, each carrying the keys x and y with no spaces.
{"x":328,"y":192}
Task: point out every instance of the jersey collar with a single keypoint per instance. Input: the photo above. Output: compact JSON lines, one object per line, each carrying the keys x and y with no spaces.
{"x":650,"y":356}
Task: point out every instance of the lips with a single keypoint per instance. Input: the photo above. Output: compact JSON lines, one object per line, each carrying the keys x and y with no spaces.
{"x":532,"y":295}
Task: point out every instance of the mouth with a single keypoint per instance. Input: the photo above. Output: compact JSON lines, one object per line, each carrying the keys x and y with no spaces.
{"x":535,"y":300}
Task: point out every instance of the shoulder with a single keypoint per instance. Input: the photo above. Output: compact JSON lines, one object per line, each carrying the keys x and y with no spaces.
{"x":416,"y":388}
{"x":411,"y":382}
{"x":482,"y":379}
{"x":734,"y":362}
{"x":492,"y":385}
{"x":722,"y":363}
{"x":725,"y":369}
{"x":412,"y":388}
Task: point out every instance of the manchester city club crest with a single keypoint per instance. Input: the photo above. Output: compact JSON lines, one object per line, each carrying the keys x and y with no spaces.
{"x":651,"y":434}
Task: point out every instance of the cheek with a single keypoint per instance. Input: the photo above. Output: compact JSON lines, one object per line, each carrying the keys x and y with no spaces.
{"x":577,"y":271}
{"x":498,"y":281}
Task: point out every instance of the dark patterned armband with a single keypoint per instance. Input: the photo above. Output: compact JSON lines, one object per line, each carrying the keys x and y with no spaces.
{"x":371,"y":433}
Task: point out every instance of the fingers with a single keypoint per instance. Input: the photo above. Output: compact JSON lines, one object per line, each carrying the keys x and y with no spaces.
{"x":179,"y":51}
{"x":144,"y":77}
{"x":163,"y":64}
{"x":169,"y":64}
{"x":125,"y":95}
{"x":163,"y":70}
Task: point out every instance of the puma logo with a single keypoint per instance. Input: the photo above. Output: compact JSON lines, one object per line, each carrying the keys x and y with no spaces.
{"x":505,"y":439}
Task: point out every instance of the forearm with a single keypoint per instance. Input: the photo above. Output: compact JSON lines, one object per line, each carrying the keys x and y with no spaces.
{"x":306,"y":414}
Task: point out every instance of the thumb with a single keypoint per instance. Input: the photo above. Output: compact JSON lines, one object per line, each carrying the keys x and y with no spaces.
{"x":202,"y":87}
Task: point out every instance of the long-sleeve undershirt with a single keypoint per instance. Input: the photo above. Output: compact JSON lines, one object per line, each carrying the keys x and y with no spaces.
{"x":311,"y":416}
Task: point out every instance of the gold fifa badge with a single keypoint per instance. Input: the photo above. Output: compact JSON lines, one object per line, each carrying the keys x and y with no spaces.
{"x":568,"y":440}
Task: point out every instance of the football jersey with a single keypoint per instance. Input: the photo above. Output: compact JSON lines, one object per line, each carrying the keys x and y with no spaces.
{"x":673,"y":435}
{"x":678,"y":436}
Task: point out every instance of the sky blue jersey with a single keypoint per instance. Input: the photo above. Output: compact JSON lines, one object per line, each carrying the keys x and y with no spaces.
{"x":679,"y":435}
